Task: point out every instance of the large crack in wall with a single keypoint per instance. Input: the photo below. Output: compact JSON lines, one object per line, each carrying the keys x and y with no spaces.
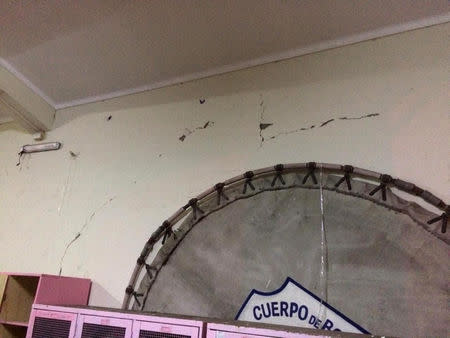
{"x":263,"y":126}
{"x":79,"y":233}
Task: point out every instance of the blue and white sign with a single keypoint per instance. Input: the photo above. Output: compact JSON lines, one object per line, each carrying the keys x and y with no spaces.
{"x":294,"y":305}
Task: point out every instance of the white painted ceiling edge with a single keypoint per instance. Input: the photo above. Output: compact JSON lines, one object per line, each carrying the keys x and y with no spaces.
{"x":386,"y":31}
{"x":312,"y":48}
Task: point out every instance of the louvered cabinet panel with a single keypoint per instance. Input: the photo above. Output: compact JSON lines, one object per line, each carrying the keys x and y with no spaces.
{"x":156,"y":334}
{"x":103,"y":326}
{"x":52,"y":324}
{"x":164,"y":328}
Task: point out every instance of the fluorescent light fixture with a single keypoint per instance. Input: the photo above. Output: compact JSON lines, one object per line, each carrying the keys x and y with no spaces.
{"x":36,"y":148}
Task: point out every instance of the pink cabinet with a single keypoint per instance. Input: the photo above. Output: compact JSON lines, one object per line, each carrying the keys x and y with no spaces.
{"x":71,"y":322}
{"x":83,"y":322}
{"x":18,"y":293}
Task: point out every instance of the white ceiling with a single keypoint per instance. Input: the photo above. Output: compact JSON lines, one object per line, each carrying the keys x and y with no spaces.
{"x":78,"y":51}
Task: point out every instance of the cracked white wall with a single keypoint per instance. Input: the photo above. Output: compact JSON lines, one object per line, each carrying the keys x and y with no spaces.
{"x":133,"y":171}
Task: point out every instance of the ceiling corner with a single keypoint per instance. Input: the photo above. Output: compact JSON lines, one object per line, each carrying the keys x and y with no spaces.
{"x":20,"y":102}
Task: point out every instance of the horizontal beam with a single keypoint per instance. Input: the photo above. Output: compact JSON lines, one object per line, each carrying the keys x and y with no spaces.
{"x":23,"y":104}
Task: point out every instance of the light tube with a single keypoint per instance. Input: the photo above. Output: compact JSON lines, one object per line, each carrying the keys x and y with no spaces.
{"x":36,"y":148}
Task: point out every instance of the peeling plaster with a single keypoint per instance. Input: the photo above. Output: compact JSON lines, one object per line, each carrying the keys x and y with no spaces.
{"x":189,"y":132}
{"x":78,"y":235}
{"x":322,"y":124}
{"x":263,"y":126}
